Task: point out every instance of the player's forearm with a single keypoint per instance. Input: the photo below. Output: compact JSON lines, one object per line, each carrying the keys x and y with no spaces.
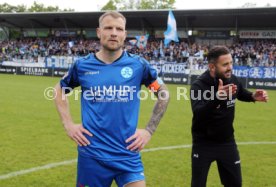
{"x":245,"y":95}
{"x":62,"y":105}
{"x":159,"y":109}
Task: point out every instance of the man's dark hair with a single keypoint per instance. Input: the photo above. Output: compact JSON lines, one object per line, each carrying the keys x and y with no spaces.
{"x":216,"y":52}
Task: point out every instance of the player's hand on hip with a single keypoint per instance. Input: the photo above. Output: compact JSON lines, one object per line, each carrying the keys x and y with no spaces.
{"x":226,"y":91}
{"x":139,"y":140}
{"x":76,"y":133}
{"x":260,"y":95}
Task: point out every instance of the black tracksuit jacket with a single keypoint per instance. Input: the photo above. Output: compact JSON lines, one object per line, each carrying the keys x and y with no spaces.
{"x":213,"y":118}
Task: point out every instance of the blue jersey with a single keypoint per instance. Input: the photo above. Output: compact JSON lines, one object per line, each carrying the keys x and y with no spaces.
{"x":109,"y":102}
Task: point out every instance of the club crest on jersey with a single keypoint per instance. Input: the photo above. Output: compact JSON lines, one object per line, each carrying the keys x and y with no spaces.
{"x":127,"y":72}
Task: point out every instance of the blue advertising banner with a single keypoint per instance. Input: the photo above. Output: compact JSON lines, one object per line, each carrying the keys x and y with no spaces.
{"x":255,"y":72}
{"x":250,"y":77}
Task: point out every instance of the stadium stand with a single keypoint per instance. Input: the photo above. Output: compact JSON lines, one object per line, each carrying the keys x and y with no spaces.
{"x":55,"y":40}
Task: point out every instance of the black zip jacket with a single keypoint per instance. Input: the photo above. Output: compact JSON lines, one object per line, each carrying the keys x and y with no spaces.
{"x":213,"y":118}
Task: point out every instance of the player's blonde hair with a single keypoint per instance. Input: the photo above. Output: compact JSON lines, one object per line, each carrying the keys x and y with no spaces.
{"x":114,"y":14}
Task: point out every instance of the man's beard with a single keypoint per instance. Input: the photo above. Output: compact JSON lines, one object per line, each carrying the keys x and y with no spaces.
{"x":222,"y":76}
{"x":113,"y":49}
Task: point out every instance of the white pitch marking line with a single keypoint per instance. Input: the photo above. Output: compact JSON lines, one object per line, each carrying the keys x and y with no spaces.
{"x":67,"y":162}
{"x":25,"y":171}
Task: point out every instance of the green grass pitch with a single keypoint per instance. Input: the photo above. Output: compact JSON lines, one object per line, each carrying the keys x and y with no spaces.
{"x":31,"y":135}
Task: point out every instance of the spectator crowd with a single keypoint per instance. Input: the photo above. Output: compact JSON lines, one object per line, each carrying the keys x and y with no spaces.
{"x":249,"y":53}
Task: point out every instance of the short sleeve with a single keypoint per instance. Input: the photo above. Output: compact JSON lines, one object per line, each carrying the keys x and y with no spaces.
{"x":70,"y":80}
{"x":150,"y":77}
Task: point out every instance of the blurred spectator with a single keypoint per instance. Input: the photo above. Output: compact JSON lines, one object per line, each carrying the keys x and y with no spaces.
{"x":244,"y":52}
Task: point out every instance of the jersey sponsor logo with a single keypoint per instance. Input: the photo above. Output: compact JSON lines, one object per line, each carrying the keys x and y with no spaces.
{"x":112,"y":93}
{"x":238,"y":162}
{"x":126,"y":72}
{"x":195,"y":155}
{"x":92,"y":73}
{"x":231,"y":103}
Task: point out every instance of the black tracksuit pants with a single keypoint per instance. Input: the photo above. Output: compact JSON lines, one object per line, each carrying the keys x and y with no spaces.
{"x":228,"y":163}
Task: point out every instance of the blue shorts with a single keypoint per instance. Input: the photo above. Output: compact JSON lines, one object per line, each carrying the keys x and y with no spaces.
{"x":98,"y":173}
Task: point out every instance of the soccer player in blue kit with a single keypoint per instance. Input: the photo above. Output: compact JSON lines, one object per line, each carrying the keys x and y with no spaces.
{"x":108,"y":139}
